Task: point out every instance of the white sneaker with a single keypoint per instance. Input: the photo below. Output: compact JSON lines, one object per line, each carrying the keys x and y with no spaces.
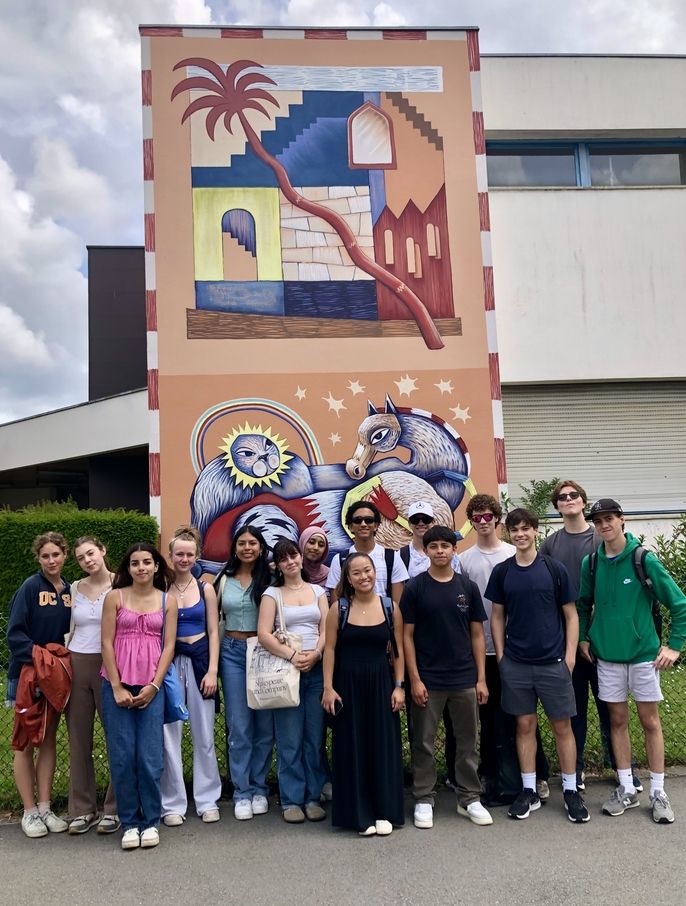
{"x":150,"y":837}
{"x":32,"y":825}
{"x":476,"y":813}
{"x":210,"y":816}
{"x":173,"y":820}
{"x":242,"y":809}
{"x":54,"y":824}
{"x":260,"y":805}
{"x":423,"y":814}
{"x":131,"y":839}
{"x":384,"y":828}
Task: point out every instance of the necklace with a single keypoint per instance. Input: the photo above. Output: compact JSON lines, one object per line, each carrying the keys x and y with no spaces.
{"x":296,"y":587}
{"x":182,"y":590}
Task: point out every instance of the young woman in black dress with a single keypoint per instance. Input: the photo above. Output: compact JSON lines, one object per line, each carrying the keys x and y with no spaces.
{"x":364,"y":696}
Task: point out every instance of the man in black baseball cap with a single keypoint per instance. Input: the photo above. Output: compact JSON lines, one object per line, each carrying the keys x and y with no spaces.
{"x":605,"y":505}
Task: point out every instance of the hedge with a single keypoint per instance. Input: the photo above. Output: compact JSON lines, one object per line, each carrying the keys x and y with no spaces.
{"x":117,"y":529}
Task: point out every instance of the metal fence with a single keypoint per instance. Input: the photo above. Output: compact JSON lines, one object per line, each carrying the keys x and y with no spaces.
{"x":673,"y":714}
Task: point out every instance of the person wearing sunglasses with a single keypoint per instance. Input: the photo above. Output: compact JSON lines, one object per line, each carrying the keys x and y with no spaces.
{"x":363,"y":519}
{"x":420,"y":515}
{"x":570,"y":545}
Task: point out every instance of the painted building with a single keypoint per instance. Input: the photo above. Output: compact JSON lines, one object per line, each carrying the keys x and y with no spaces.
{"x":586,"y":174}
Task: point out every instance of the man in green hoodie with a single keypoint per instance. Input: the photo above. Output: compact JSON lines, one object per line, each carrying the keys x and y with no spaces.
{"x":617,"y":630}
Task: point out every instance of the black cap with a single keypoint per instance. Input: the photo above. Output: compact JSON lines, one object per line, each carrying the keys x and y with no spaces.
{"x":605,"y":505}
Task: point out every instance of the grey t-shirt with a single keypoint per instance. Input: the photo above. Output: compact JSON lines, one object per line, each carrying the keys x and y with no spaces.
{"x":571,"y":549}
{"x":477,"y":565}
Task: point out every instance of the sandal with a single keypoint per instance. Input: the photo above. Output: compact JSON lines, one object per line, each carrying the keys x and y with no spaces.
{"x":82,"y":824}
{"x":109,"y":824}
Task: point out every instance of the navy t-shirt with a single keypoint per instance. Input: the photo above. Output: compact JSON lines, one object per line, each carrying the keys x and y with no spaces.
{"x":442,"y":613}
{"x":534,"y":629}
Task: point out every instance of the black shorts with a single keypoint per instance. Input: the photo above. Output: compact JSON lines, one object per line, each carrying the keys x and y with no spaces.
{"x":525,"y":684}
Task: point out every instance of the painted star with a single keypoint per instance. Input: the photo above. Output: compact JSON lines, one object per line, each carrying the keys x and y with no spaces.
{"x":406,"y":385}
{"x":300,"y":393}
{"x":444,"y":386}
{"x":335,"y":439}
{"x":460,"y":413}
{"x":334,"y":405}
{"x":355,"y":387}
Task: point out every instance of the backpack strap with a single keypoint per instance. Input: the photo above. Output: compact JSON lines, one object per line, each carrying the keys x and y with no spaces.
{"x":389,"y":557}
{"x":556,"y":576}
{"x":387,"y":604}
{"x":405,"y":555}
{"x":343,"y":613}
{"x":639,"y":560}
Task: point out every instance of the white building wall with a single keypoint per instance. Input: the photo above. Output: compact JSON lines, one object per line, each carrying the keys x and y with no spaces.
{"x":590,"y":284}
{"x":586,"y":95}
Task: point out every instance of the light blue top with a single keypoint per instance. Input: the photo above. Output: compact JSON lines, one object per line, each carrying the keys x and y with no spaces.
{"x":240,"y":612}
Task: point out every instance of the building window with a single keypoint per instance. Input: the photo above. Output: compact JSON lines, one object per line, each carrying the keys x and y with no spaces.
{"x":532,"y":166}
{"x":388,"y":246}
{"x":547,"y":164}
{"x":617,"y":166}
{"x":370,"y":139}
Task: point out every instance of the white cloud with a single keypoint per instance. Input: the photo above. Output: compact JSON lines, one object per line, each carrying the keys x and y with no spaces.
{"x":91,"y":115}
{"x":18,"y":344}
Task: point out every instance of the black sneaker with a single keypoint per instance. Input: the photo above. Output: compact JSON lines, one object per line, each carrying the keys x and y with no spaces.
{"x":638,"y":786}
{"x":576,"y":810}
{"x":580,"y":781}
{"x":524,"y":804}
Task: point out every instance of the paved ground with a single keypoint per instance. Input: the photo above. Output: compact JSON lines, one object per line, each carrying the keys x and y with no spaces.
{"x":543,"y":860}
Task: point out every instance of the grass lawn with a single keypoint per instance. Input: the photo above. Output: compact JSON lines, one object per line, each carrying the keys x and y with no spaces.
{"x":673,"y":712}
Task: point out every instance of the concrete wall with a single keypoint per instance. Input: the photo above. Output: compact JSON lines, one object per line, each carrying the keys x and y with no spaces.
{"x":589,"y":283}
{"x":587,"y":95}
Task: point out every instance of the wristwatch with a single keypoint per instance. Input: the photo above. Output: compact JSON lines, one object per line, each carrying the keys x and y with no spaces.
{"x":399,"y":684}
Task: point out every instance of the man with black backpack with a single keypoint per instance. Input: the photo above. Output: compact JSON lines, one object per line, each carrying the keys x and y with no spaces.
{"x":621,"y":586}
{"x":535,"y":631}
{"x":363,"y":519}
{"x":445,"y":654}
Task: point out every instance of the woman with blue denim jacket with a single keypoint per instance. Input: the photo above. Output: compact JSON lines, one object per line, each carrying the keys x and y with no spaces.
{"x":250,"y":734}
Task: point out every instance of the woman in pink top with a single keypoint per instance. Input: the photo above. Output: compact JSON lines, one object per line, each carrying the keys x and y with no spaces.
{"x":136,"y":614}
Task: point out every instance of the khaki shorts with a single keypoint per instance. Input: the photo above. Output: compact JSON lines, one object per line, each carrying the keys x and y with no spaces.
{"x":614,"y":680}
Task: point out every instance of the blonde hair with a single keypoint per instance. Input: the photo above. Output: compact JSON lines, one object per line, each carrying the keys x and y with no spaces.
{"x":186,"y":533}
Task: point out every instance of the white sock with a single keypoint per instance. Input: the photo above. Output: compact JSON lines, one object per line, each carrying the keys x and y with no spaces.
{"x":31,"y":811}
{"x":529,"y":781}
{"x":657,"y":783}
{"x":626,"y":779}
{"x":568,"y":782}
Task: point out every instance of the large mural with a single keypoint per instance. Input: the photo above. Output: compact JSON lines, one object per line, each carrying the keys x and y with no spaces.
{"x":320,"y":308}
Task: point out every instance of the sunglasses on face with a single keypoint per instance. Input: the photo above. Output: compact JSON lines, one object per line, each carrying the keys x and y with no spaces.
{"x":363,"y":520}
{"x":482,"y":517}
{"x":572,"y":495}
{"x":420,"y":520}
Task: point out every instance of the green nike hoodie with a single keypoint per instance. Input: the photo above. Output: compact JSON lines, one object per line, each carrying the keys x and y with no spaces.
{"x":619,"y":625}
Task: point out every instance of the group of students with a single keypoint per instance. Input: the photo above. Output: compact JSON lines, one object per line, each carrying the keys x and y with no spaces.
{"x":478,"y":638}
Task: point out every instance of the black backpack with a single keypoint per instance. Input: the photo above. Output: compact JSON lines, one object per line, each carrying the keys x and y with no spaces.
{"x":638,"y":559}
{"x":555,"y":573}
{"x":386,"y":604}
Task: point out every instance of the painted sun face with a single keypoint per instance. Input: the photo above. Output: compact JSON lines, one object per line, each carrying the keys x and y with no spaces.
{"x":255,"y":456}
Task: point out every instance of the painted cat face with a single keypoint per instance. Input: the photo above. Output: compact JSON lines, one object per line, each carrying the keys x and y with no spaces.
{"x":255,"y":455}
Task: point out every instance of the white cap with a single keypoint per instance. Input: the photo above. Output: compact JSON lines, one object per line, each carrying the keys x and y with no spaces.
{"x":420,"y":507}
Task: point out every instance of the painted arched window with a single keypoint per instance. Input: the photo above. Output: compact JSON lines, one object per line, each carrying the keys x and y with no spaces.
{"x":370,"y":139}
{"x":239,"y":245}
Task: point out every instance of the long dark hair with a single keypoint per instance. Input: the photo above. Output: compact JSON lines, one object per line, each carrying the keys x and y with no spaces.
{"x":261,"y":574}
{"x":163,"y":577}
{"x":282,"y":549}
{"x":344,"y":588}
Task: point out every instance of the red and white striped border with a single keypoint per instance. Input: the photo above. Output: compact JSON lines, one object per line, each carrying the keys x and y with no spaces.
{"x":313,"y":34}
{"x":150,"y":284}
{"x":485,"y":227}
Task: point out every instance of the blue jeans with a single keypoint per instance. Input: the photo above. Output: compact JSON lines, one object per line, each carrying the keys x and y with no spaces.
{"x":299,"y":731}
{"x":135,"y":747}
{"x":250,"y":733}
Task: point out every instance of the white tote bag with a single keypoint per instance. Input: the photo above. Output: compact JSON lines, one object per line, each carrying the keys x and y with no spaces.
{"x":272,"y":681}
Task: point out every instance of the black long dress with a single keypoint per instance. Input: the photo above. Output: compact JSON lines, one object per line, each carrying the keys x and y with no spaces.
{"x":367,"y":765}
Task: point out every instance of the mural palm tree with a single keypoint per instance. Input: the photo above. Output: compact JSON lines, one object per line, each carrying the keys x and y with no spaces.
{"x":233,"y":93}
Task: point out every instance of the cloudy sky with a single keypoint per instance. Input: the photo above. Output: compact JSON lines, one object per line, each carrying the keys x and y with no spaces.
{"x":70,"y":144}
